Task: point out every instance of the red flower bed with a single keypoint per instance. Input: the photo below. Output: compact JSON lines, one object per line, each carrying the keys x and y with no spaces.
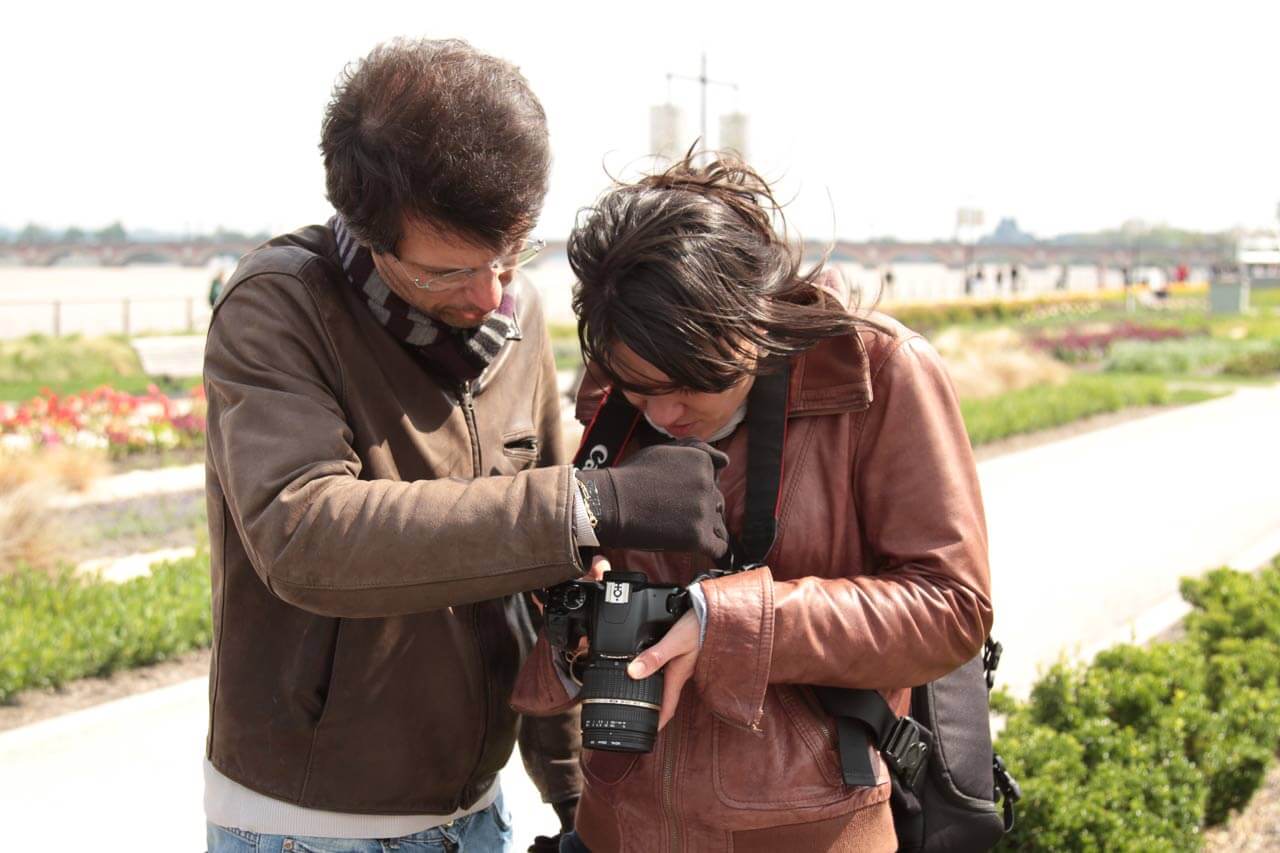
{"x":118,"y":422}
{"x":1075,"y":345}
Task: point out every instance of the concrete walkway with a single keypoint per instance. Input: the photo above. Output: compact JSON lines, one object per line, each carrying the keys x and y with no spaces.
{"x":1088,"y":539}
{"x":180,"y":356}
{"x":1090,"y":535}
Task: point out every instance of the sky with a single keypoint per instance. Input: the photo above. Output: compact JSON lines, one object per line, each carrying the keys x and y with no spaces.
{"x":873,"y":119}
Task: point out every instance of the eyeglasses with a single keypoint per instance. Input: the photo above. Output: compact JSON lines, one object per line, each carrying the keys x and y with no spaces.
{"x":440,"y":282}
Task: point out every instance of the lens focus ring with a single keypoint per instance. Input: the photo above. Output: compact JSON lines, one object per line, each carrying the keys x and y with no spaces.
{"x":618,"y":712}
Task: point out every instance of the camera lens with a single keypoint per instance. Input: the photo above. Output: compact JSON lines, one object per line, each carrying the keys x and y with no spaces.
{"x":619,"y":713}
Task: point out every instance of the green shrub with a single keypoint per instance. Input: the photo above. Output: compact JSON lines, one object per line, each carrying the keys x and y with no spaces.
{"x":1144,"y":746}
{"x":1101,"y":787}
{"x":57,"y":628}
{"x":1233,"y":606}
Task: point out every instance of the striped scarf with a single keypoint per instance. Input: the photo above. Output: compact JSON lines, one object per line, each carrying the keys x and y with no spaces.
{"x":456,"y":355}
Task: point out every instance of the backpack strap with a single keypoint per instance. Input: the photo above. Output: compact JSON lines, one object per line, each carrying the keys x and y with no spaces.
{"x":862,"y":717}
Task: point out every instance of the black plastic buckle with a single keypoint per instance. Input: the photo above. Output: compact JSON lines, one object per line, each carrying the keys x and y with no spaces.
{"x":990,"y":660}
{"x":1009,"y":790}
{"x":906,"y":751}
{"x":1008,"y":786}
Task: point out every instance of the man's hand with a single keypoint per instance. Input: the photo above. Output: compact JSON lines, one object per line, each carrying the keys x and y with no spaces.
{"x":678,"y":652}
{"x":662,"y":498}
{"x":565,"y":810}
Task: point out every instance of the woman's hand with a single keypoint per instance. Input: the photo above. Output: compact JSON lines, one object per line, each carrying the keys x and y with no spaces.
{"x":678,"y":652}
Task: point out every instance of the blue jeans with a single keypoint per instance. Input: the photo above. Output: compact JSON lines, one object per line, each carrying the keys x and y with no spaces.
{"x":487,"y":831}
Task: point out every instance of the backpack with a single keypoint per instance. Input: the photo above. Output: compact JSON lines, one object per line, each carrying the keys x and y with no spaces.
{"x":946,"y":777}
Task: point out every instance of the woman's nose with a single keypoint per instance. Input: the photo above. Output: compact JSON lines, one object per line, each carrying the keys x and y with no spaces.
{"x":664,"y":411}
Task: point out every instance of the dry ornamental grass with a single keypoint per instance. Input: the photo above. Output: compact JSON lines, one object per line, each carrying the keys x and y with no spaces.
{"x":28,"y":528}
{"x":29,"y":533}
{"x":995,"y":361}
{"x":69,"y":468}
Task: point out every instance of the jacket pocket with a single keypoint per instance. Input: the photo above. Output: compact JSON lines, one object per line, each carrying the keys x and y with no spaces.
{"x":793,"y":762}
{"x":608,"y":768}
{"x":521,"y":447}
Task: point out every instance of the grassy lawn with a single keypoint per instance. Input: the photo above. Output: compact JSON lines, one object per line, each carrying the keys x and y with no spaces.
{"x":73,"y":364}
{"x":25,"y":390}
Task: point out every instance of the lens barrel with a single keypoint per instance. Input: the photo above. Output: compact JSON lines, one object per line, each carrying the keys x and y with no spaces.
{"x":619,"y":714}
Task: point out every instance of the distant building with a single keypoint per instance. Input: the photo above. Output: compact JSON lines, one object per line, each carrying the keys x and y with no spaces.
{"x":1008,"y":233}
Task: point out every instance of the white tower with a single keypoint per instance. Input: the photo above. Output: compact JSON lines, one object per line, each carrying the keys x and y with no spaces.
{"x":733,"y":134}
{"x":666,"y":133}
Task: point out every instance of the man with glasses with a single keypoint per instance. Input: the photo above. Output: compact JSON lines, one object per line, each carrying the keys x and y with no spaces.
{"x":386,"y":481}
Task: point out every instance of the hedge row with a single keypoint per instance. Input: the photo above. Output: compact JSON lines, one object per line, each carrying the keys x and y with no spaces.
{"x":928,"y":318}
{"x":1046,"y":406}
{"x":1148,"y":745}
{"x":54,"y":629}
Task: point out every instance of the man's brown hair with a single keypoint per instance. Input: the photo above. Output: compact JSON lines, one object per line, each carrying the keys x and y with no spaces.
{"x":442,"y":133}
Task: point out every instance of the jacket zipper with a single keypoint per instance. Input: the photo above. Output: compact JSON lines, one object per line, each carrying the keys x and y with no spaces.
{"x":671,"y":751}
{"x":467,"y":399}
{"x":469,"y":413}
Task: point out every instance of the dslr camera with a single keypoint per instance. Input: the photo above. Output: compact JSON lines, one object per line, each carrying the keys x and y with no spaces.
{"x":621,"y":616}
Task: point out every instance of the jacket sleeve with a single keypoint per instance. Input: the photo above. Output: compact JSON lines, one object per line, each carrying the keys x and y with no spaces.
{"x":540,"y":687}
{"x":320,"y":537}
{"x":550,"y":745}
{"x":924,"y":610}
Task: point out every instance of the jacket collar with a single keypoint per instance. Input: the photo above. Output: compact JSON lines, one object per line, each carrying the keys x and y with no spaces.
{"x":834,"y":376}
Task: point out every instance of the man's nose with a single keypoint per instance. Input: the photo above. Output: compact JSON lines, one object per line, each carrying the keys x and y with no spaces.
{"x":486,"y":290}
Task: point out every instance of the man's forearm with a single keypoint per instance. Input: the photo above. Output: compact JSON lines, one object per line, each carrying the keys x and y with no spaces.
{"x":345,"y":547}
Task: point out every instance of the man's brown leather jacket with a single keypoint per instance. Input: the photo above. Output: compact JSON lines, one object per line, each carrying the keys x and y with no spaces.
{"x":878,"y":579}
{"x":370,"y":531}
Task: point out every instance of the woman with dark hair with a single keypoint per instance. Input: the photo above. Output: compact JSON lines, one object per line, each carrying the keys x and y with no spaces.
{"x":877,"y":576}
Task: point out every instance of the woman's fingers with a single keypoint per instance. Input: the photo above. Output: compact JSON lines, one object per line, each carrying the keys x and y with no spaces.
{"x":678,"y":673}
{"x":680,"y":640}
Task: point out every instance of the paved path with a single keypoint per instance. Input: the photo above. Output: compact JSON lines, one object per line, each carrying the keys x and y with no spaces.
{"x":143,"y":483}
{"x":1090,"y":534}
{"x":171,"y":355}
{"x":1089,"y":537}
{"x":126,"y":776}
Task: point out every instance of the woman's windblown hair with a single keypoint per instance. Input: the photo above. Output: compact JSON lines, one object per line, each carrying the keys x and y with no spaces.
{"x":693,"y":271}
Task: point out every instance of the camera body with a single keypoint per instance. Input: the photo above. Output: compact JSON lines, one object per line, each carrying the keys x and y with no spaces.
{"x":620,"y":616}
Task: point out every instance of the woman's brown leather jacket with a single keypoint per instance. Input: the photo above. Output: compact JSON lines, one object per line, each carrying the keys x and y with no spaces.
{"x":878,"y":579}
